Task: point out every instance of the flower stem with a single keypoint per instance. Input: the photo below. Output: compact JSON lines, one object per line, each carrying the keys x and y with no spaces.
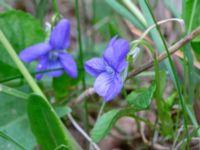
{"x":80,"y":43}
{"x":20,"y":65}
{"x":81,"y":63}
{"x":55,"y":7}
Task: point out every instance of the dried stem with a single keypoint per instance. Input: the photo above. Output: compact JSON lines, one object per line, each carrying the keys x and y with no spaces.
{"x":75,"y":124}
{"x":172,"y":50}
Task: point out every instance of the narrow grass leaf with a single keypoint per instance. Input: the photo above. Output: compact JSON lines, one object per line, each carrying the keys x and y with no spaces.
{"x":14,"y":123}
{"x":191,"y":17}
{"x":125,"y":13}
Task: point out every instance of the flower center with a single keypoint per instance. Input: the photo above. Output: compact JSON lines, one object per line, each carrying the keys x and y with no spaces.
{"x":53,"y":55}
{"x":109,"y":70}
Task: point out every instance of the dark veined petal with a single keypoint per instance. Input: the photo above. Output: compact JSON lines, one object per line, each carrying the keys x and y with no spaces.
{"x":108,"y":86}
{"x":95,"y":66}
{"x":68,"y":64}
{"x":116,"y":52}
{"x":45,"y":64}
{"x":60,"y":36}
{"x":41,"y":66}
{"x":34,"y":52}
{"x":55,"y":65}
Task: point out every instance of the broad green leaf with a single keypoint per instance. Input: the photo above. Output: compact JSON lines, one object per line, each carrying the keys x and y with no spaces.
{"x":125,"y":13}
{"x":14,"y":123}
{"x":141,"y":99}
{"x":22,"y":30}
{"x":192,"y":21}
{"x":7,"y":71}
{"x":9,"y":139}
{"x":105,"y":123}
{"x":12,"y":91}
{"x":46,"y":126}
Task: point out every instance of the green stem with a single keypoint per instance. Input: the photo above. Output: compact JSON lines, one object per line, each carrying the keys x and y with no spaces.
{"x":55,"y":7}
{"x":80,"y":44}
{"x":20,"y":65}
{"x":157,"y":77}
{"x":81,"y":63}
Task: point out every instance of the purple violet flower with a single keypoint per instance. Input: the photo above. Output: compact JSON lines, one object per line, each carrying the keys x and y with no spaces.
{"x":52,"y":54}
{"x":107,"y":69}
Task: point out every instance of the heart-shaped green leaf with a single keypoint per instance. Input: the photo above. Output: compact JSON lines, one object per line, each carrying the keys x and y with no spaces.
{"x":141,"y":99}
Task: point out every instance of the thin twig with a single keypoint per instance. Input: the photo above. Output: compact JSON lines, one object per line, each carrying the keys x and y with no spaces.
{"x":85,"y":94}
{"x":75,"y":124}
{"x":172,"y":50}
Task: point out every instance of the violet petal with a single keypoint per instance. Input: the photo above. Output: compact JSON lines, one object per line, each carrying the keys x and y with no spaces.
{"x":95,"y":66}
{"x":116,"y":53}
{"x":60,"y":36}
{"x":54,"y":65}
{"x":69,"y":64}
{"x":34,"y":52}
{"x":108,"y":86}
